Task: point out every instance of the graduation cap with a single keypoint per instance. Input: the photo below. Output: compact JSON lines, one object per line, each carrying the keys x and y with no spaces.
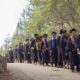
{"x":64,"y":31}
{"x":45,"y":35}
{"x":53,"y":32}
{"x":61,"y":31}
{"x":36,"y":35}
{"x":73,"y":29}
{"x":26,"y":39}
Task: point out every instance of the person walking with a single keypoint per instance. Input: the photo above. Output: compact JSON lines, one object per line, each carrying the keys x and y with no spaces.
{"x":73,"y":50}
{"x":53,"y":50}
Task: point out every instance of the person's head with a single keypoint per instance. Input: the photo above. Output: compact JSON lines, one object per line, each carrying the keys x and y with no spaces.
{"x":20,"y":43}
{"x":61,"y":31}
{"x":36,"y":35}
{"x":53,"y":34}
{"x":65,"y":32}
{"x":27,"y":40}
{"x":73,"y":32}
{"x":45,"y":36}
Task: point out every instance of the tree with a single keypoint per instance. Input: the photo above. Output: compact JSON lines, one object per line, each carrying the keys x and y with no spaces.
{"x":44,"y":16}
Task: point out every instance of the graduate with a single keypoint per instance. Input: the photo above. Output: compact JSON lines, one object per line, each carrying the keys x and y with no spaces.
{"x":59,"y":46}
{"x":53,"y":49}
{"x":73,"y":50}
{"x":78,"y":47}
{"x":38,"y":48}
{"x":21,"y":53}
{"x":65,"y":51}
{"x":45,"y":50}
{"x":28,"y":51}
{"x":34,"y":56}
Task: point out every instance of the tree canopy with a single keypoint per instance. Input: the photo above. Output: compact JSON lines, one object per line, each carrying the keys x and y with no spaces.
{"x":44,"y":16}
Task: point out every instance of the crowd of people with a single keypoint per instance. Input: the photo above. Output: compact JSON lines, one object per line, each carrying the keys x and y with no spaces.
{"x":62,"y":50}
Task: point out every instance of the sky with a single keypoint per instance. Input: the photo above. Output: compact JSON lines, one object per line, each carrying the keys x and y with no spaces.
{"x":10,"y":12}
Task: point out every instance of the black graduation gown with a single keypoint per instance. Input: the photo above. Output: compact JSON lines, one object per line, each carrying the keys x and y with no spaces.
{"x":74,"y":58}
{"x":45,"y":54}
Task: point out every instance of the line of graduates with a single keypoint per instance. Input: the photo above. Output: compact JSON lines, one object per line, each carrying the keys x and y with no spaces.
{"x":62,"y":50}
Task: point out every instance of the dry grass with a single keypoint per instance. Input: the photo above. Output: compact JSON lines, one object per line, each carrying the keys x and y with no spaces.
{"x":5,"y":76}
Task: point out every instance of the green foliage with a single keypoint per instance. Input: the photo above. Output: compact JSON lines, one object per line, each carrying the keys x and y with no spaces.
{"x":45,"y":16}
